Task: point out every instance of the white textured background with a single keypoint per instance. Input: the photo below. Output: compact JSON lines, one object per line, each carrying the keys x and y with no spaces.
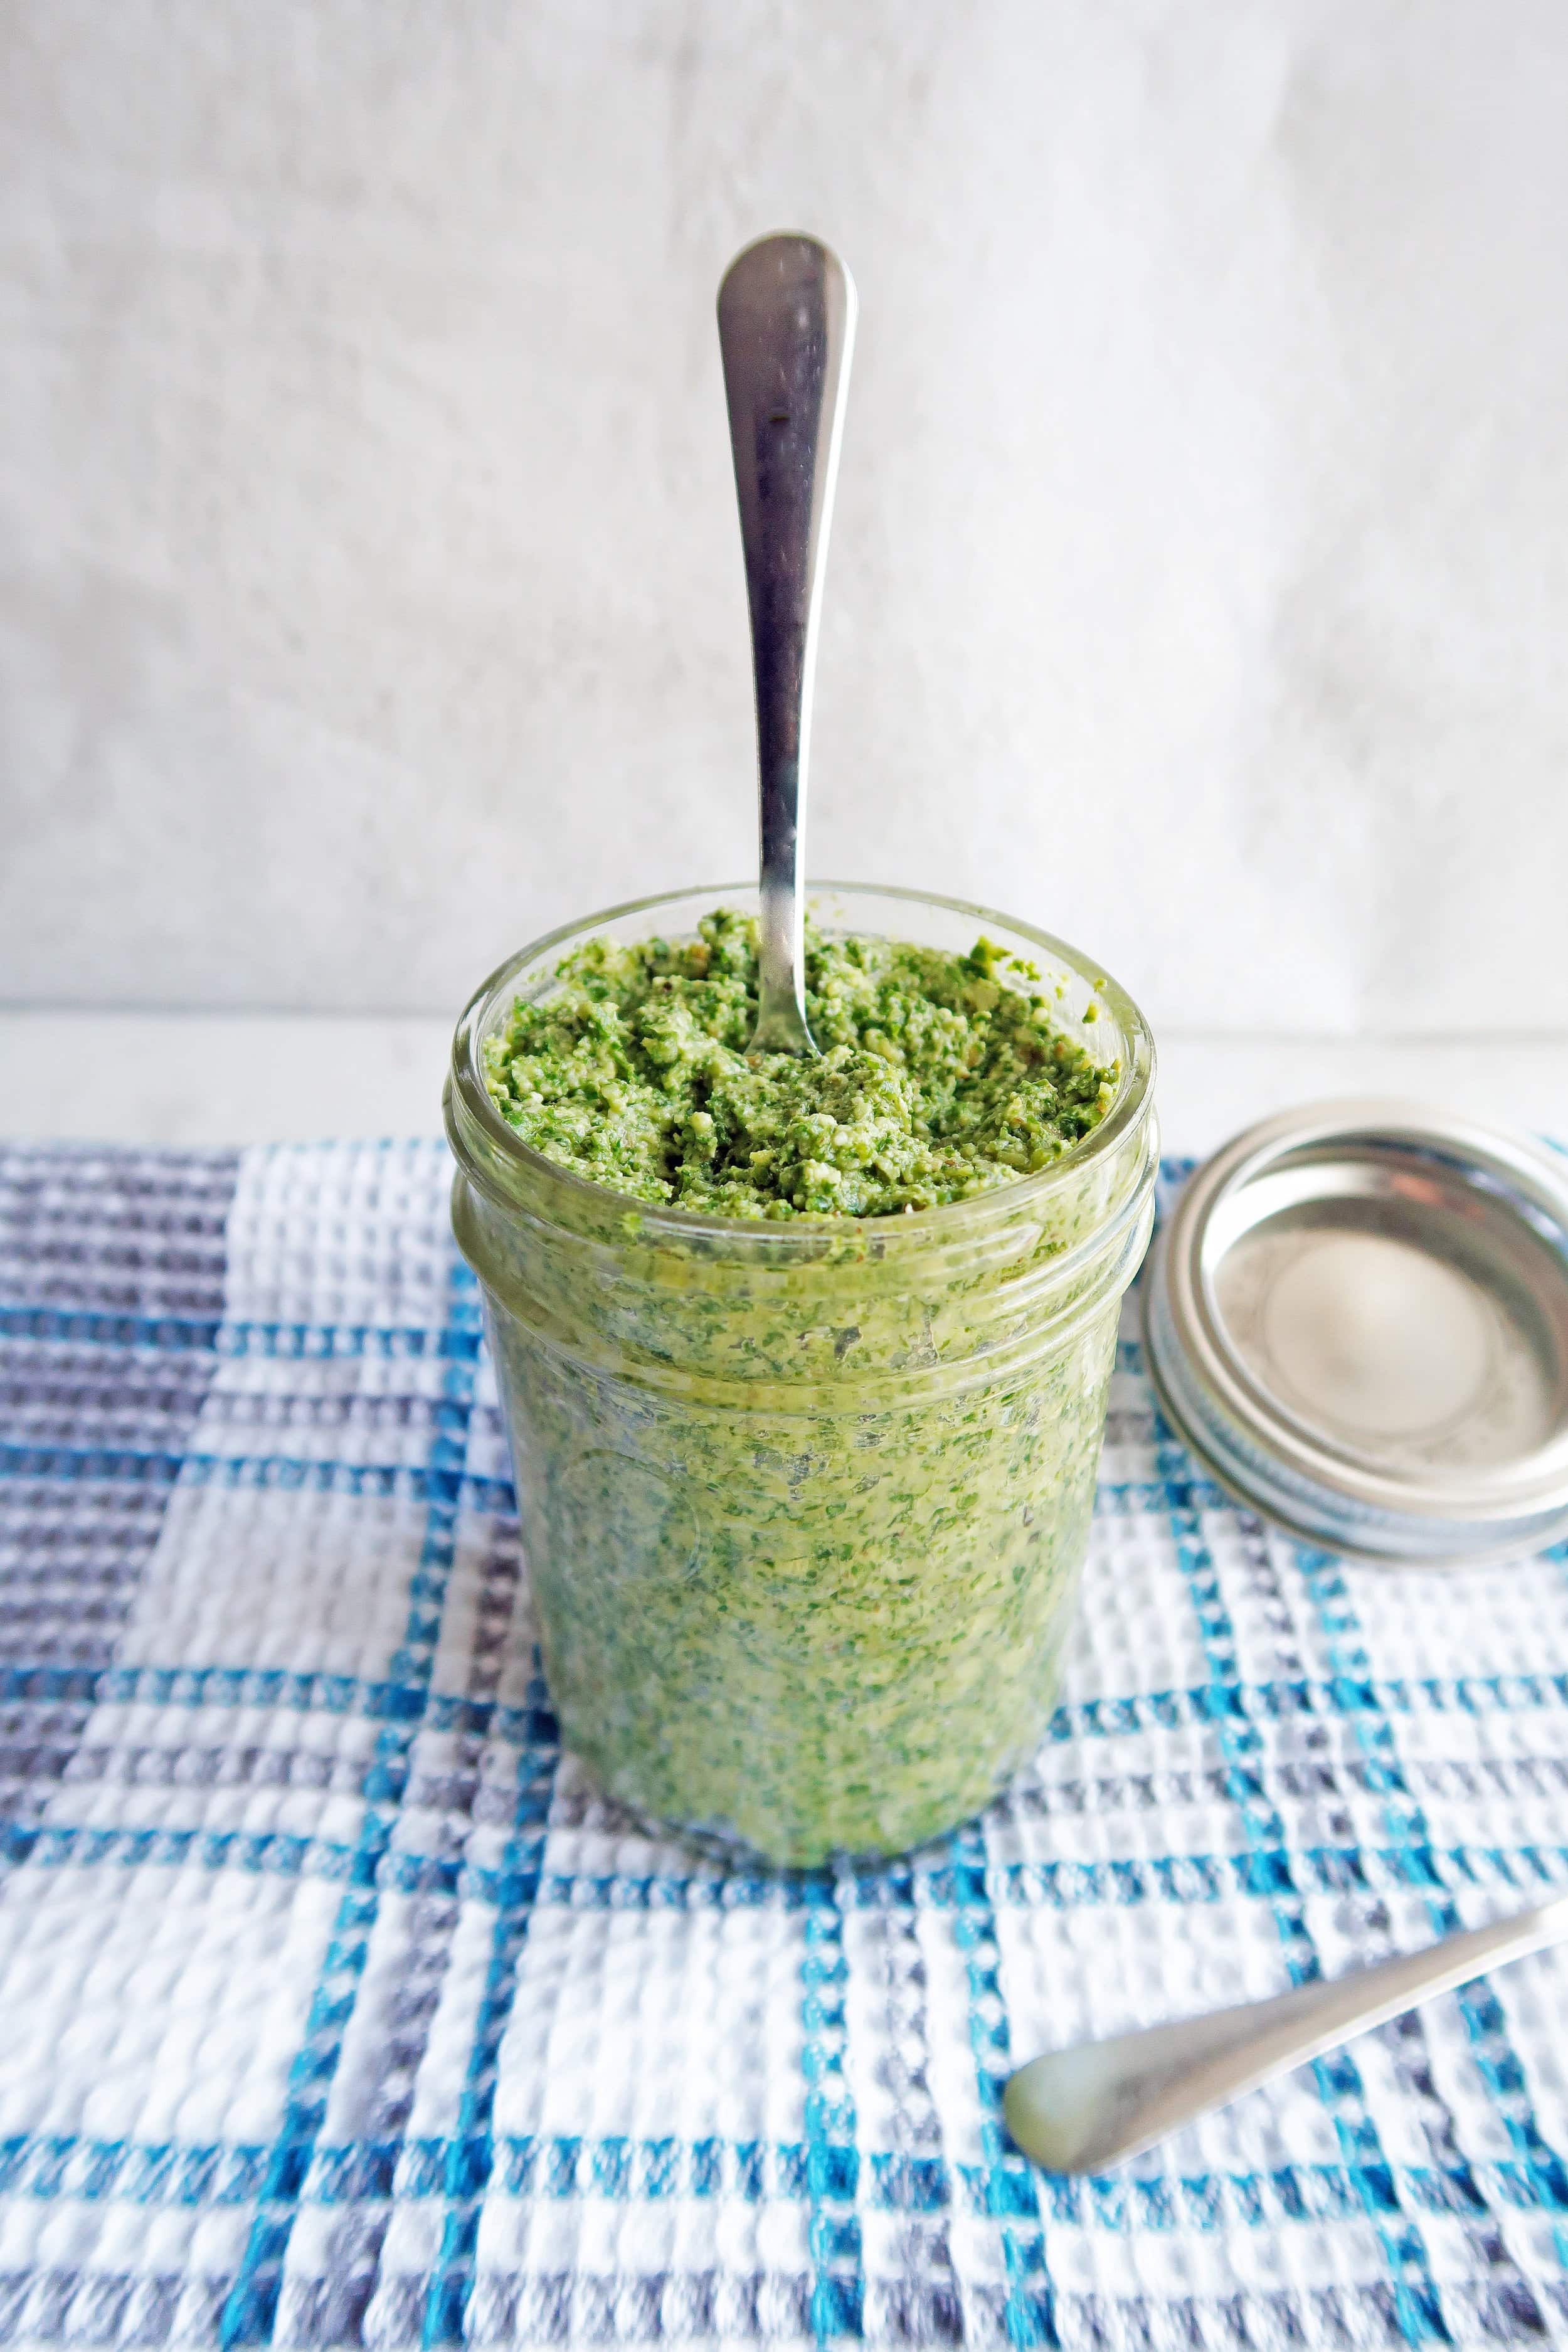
{"x":371,"y":593}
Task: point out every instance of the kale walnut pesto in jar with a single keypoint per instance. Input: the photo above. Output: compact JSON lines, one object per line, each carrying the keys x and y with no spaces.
{"x":804,"y":1364}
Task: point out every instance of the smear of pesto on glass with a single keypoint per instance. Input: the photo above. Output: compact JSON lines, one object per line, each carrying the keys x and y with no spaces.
{"x":940,"y":1076}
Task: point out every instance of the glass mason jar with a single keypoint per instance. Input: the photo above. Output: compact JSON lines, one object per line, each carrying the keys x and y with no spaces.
{"x":805,"y":1502}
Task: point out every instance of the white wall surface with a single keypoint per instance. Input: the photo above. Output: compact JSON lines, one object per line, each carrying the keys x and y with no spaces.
{"x":370,"y":589}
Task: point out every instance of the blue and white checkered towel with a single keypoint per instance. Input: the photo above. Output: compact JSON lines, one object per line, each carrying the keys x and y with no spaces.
{"x":336,"y":2008}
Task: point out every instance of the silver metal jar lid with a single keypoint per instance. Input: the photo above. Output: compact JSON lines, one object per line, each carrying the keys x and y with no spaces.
{"x":1357,"y":1317}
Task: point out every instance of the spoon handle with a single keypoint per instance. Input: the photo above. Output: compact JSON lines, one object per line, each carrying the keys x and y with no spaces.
{"x":1081,"y":2109}
{"x":786,"y":326}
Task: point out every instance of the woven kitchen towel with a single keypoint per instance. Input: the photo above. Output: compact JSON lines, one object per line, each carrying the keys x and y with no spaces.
{"x":336,"y":2008}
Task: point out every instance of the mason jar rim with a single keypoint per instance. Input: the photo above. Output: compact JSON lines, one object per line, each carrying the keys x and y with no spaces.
{"x":1128,"y":1111}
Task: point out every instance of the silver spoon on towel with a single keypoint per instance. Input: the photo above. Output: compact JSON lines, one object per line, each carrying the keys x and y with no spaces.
{"x":786,"y":328}
{"x":1081,"y":2109}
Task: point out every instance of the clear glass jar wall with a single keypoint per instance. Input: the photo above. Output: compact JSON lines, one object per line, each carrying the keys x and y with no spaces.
{"x":806,"y":1502}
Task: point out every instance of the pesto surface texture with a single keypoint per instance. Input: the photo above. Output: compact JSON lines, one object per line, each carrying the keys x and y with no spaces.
{"x":804,"y":1493}
{"x":940,"y":1076}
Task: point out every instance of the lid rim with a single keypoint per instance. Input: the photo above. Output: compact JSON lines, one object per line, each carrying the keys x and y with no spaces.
{"x":1520,"y":1547}
{"x":1533,"y":1486}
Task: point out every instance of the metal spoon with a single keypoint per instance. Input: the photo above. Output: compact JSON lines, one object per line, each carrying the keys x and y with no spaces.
{"x":786,"y":327}
{"x":1078,"y":2110}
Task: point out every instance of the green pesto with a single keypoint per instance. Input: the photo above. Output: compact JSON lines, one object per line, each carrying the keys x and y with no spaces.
{"x":940,"y":1076}
{"x":799,"y":1635}
{"x":805,"y":1494}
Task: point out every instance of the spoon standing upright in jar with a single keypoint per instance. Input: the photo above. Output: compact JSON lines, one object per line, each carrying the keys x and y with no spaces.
{"x":786,"y":328}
